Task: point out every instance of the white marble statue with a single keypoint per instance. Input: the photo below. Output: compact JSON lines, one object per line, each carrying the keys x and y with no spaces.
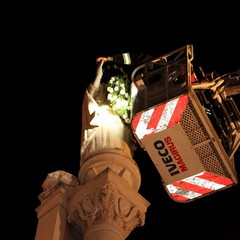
{"x":102,"y":130}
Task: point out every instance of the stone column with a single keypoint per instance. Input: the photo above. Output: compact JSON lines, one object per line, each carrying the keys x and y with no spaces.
{"x":107,"y":205}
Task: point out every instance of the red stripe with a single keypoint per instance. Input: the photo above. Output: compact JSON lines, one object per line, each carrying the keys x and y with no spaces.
{"x":135,"y":121}
{"x":192,"y":187}
{"x":179,"y":109}
{"x":215,"y":178}
{"x":179,"y":198}
{"x":155,"y":118}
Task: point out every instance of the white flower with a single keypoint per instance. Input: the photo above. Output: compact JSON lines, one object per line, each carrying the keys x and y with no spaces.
{"x":109,"y":97}
{"x":122,"y":92}
{"x":124,"y":103}
{"x":127,"y":120}
{"x":119,"y":98}
{"x":109,"y":89}
{"x":116,"y":88}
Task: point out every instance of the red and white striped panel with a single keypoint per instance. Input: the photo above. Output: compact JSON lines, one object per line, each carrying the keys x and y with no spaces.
{"x":159,"y":118}
{"x":197,"y":185}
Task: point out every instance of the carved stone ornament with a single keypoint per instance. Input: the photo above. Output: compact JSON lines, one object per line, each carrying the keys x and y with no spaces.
{"x":106,"y":205}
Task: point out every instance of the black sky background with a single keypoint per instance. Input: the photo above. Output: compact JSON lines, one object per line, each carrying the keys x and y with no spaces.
{"x":61,"y":42}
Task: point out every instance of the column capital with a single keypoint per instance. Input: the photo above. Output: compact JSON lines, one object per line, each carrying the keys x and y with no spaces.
{"x":107,"y":200}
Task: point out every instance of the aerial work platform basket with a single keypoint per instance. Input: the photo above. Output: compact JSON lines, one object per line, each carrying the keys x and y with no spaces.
{"x":189,"y":128}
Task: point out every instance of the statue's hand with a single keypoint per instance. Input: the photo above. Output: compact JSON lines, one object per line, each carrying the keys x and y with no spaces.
{"x":105,"y":59}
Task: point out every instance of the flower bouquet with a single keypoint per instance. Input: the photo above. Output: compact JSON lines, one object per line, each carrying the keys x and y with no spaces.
{"x":119,"y":98}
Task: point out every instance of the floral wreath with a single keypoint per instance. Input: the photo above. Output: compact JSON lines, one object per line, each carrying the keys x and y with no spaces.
{"x":118,"y":88}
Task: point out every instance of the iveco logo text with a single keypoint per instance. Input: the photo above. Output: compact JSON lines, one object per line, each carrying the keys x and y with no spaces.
{"x":168,"y":152}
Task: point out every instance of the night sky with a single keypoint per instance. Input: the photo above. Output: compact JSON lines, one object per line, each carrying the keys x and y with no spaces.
{"x":62,"y":42}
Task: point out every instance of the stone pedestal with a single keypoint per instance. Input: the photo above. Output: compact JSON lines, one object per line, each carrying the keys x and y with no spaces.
{"x":122,"y":165}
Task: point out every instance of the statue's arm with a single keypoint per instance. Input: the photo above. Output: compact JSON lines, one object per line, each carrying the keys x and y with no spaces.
{"x":99,"y":73}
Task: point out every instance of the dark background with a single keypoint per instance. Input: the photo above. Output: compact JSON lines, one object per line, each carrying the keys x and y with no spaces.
{"x":61,"y":42}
